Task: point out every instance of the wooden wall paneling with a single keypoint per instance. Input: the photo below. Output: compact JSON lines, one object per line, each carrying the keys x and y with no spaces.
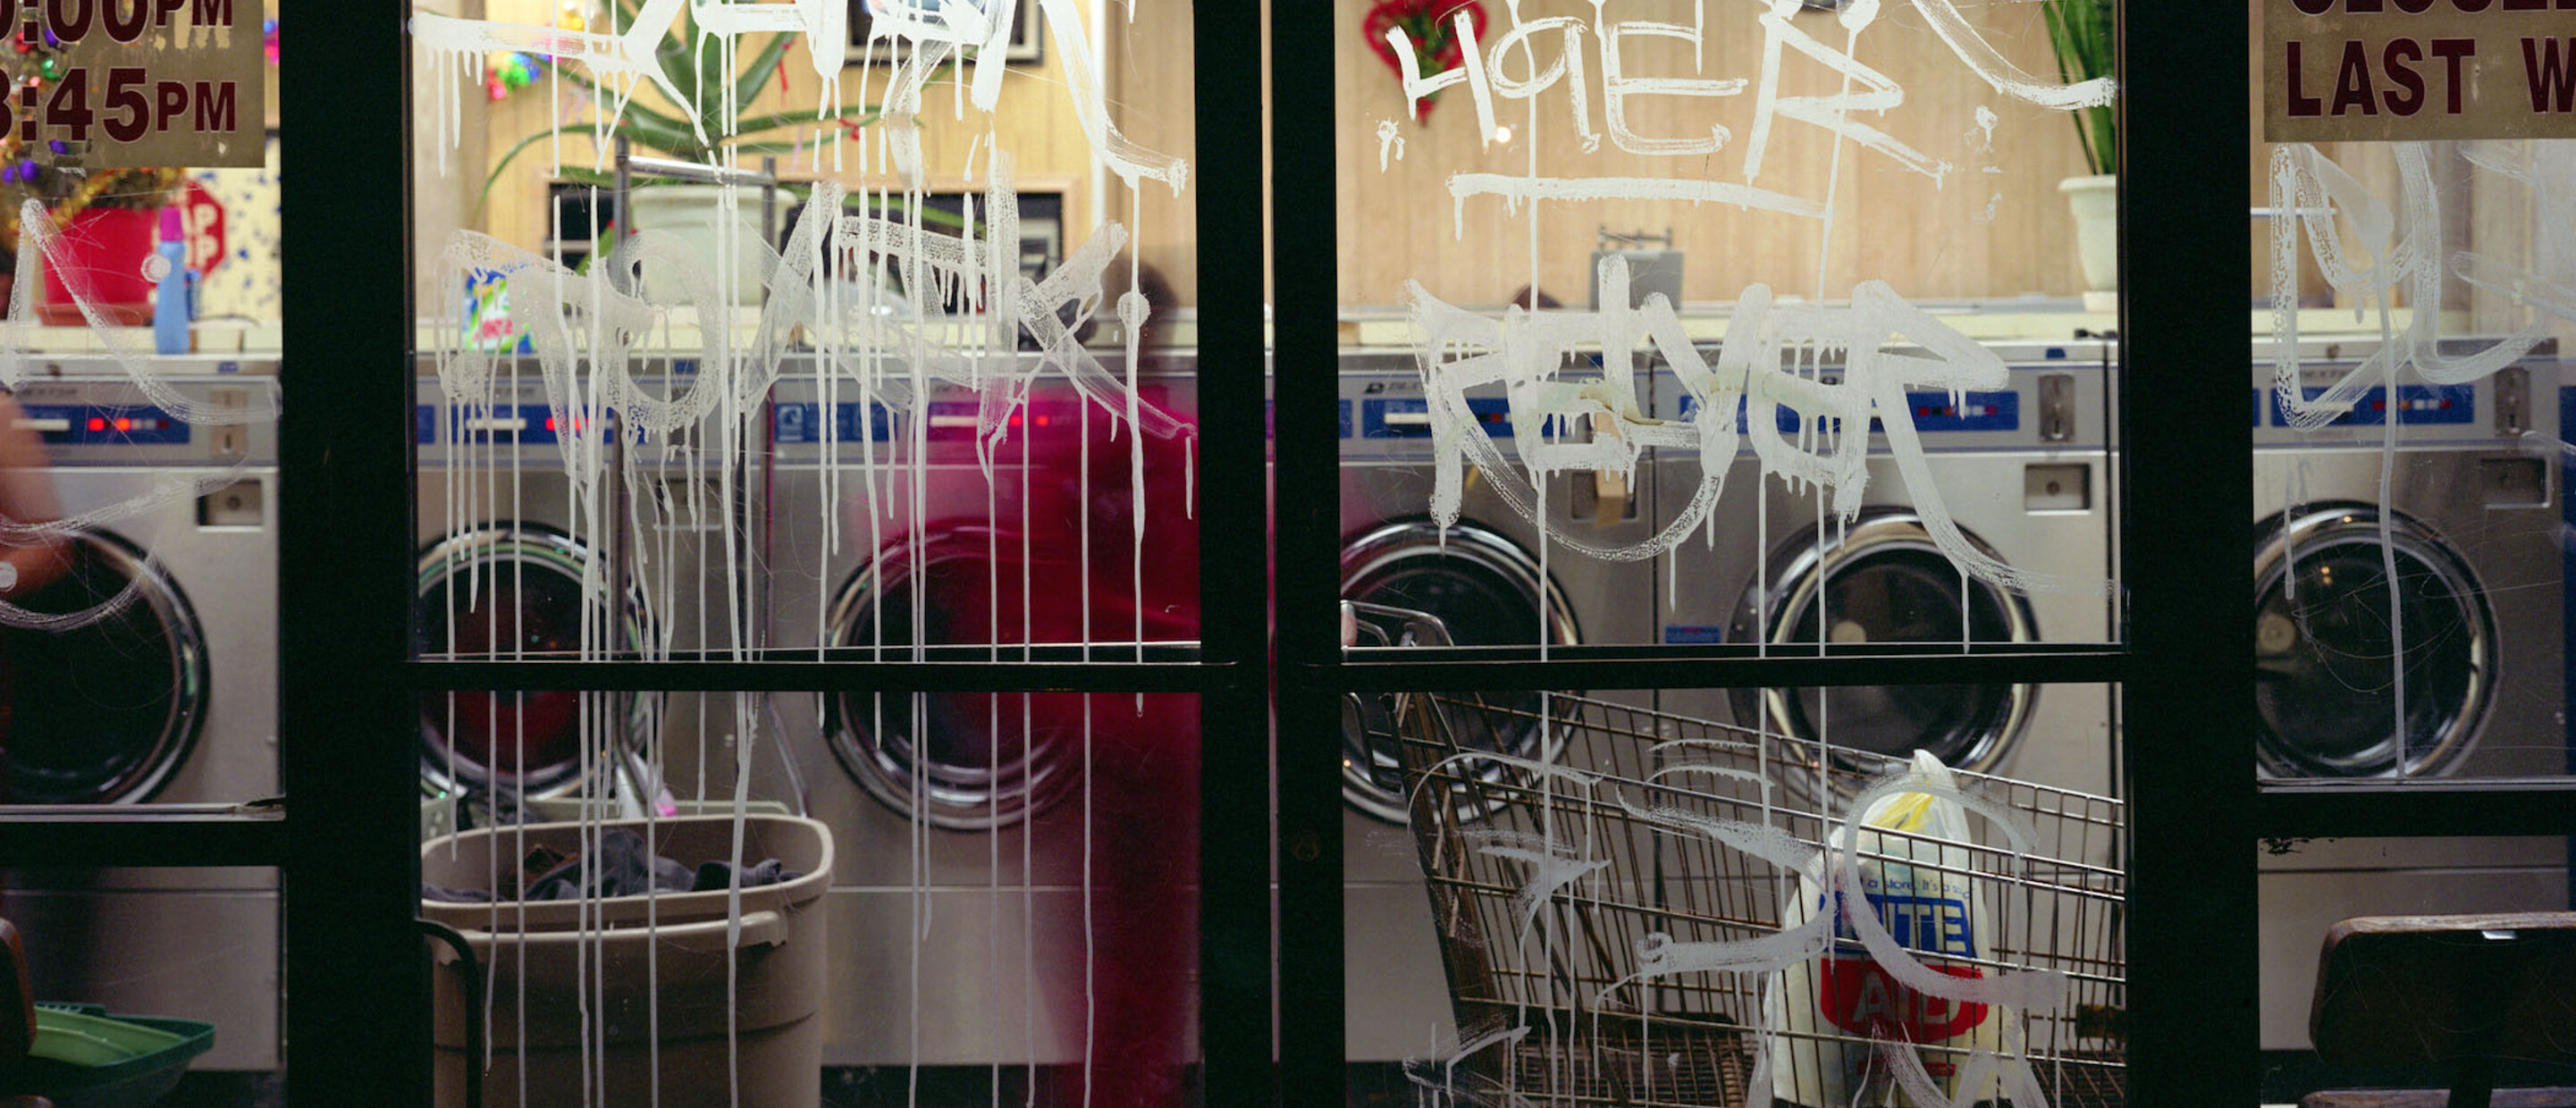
{"x":1927,"y":240}
{"x":1152,"y":63}
{"x":442,"y":199}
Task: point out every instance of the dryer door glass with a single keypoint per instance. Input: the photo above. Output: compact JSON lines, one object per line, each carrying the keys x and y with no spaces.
{"x":958,"y":760}
{"x":2327,"y":648}
{"x":1477,"y":588}
{"x":1905,"y":596}
{"x":506,"y":592}
{"x":103,"y":706}
{"x":1882,"y":579}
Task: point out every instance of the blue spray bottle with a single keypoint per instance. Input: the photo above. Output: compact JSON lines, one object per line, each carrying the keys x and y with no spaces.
{"x":170,"y":298}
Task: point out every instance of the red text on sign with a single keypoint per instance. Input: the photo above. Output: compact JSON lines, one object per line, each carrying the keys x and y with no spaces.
{"x":2390,"y":82}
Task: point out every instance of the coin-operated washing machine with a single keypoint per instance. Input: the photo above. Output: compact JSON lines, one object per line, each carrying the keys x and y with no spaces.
{"x":504,"y":548}
{"x":2025,"y":473}
{"x":2473,"y":525}
{"x":1487,"y":582}
{"x":967,"y":806}
{"x":159,"y":686}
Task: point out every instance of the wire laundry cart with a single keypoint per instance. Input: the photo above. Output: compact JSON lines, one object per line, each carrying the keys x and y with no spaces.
{"x":1558,"y":873}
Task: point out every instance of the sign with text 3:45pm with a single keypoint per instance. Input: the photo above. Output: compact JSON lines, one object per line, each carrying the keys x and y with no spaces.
{"x":2398,"y":70}
{"x":137,"y":82}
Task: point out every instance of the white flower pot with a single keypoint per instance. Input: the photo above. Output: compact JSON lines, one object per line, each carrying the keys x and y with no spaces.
{"x":2096,"y":203}
{"x":692,"y":212}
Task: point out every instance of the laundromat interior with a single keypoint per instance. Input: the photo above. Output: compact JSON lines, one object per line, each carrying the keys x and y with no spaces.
{"x":783,"y":553}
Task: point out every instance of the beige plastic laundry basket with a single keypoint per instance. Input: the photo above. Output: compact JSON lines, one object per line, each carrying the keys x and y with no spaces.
{"x":622,"y":964}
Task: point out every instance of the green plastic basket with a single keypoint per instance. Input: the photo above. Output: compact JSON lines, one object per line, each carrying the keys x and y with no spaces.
{"x":85,"y":1058}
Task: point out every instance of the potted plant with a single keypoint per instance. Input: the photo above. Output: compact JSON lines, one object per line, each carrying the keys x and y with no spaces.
{"x":2080,"y":32}
{"x":691,"y":63}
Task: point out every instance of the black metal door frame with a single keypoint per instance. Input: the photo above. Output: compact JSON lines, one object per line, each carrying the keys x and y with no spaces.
{"x":356,"y":1016}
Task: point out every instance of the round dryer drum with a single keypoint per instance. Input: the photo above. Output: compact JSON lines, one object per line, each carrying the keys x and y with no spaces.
{"x":508,"y":590}
{"x":1486,"y":591}
{"x":1882,"y":579}
{"x":2326,"y":693}
{"x":961,"y":761}
{"x":102,"y":698}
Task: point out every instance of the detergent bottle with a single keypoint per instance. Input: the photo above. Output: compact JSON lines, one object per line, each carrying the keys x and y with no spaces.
{"x":170,"y":298}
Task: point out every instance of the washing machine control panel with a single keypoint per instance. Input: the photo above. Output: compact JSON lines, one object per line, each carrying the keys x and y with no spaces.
{"x":2049,"y":405}
{"x":2496,"y":407}
{"x":117,"y":422}
{"x":1387,"y":416}
{"x":1933,"y":412}
{"x":948,"y":422}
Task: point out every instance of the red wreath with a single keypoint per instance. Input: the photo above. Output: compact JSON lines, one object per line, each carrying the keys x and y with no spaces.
{"x":1428,"y":23}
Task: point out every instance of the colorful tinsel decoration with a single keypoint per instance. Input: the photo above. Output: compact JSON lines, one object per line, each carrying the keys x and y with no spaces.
{"x":268,"y":39}
{"x":507,"y":71}
{"x":52,"y":172}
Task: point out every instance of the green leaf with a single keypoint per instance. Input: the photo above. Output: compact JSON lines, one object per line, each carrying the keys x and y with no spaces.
{"x":673,"y":55}
{"x":757,"y":124}
{"x":655,"y":122}
{"x":709,"y":54}
{"x":2079,"y":33}
{"x":746,"y":85}
{"x":512,"y":155}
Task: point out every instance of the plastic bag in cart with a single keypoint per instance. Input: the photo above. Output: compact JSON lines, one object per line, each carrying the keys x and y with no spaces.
{"x":1833,"y":1015}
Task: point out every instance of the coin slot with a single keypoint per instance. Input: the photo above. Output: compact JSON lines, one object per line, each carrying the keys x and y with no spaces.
{"x":2513,"y":482}
{"x":2057,"y":487}
{"x":239,"y":504}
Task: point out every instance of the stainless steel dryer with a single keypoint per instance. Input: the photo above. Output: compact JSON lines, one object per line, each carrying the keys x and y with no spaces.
{"x":2025,"y":473}
{"x":503,"y":550}
{"x":168,"y":697}
{"x":1492,"y":585}
{"x":958,"y":805}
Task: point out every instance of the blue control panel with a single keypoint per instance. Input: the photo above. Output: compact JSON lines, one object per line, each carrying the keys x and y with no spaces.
{"x":1411,"y":419}
{"x":525,"y":423}
{"x":803,"y":423}
{"x":80,"y":424}
{"x":2416,"y":404}
{"x":1934,"y":413}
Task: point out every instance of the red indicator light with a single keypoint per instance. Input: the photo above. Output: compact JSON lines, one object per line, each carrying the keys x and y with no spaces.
{"x":97,"y":424}
{"x":1045,"y":420}
{"x":550,"y":423}
{"x":1015,"y":419}
{"x":124,"y":424}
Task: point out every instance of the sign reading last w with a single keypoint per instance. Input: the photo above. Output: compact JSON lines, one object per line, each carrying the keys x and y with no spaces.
{"x":2402,"y":70}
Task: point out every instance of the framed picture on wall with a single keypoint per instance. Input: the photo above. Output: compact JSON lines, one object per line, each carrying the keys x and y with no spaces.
{"x":1024,"y":49}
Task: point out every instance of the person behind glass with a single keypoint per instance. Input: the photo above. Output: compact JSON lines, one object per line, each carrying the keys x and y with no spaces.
{"x":1118,"y":983}
{"x":29,"y":563}
{"x":1117,"y":277}
{"x":1143,"y":934}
